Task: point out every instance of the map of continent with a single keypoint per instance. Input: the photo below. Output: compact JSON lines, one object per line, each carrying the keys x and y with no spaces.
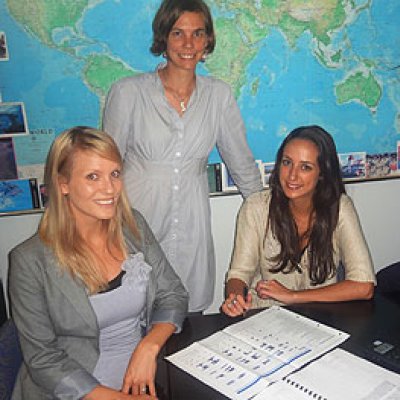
{"x":334,"y":63}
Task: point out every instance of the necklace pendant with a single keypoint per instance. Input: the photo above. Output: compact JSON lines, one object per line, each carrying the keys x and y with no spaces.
{"x":182,"y":105}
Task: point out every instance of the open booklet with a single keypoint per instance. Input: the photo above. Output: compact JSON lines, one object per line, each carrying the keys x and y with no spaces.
{"x":338,"y":375}
{"x":244,"y":358}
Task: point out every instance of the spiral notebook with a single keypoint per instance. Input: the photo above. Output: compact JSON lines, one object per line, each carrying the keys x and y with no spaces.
{"x":338,"y":375}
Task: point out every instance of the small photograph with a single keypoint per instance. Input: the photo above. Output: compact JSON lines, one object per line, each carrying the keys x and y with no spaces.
{"x":3,"y":47}
{"x":13,"y":120}
{"x":8,"y":165}
{"x":266,"y":172}
{"x":353,"y":165}
{"x":18,"y":195}
{"x":381,"y":165}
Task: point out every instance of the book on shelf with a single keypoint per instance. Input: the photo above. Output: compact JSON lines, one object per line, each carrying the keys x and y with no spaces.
{"x":19,"y":195}
{"x":228,"y":185}
{"x":245,"y":358}
{"x":214,"y":177}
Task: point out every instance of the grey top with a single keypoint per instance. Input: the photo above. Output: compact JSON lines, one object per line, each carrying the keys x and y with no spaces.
{"x":253,"y":249}
{"x":165,"y":158}
{"x":57,"y":327}
{"x":119,"y":313}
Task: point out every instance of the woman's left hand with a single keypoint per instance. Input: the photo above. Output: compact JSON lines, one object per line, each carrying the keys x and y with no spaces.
{"x":140,"y":374}
{"x":272,"y":289}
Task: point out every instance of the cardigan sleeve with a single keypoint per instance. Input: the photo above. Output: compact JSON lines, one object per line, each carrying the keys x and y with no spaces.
{"x":354,"y":252}
{"x":248,"y":246}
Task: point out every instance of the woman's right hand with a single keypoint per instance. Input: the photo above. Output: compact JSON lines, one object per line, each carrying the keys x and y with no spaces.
{"x":238,"y":298}
{"x":105,"y":393}
{"x":235,"y":305}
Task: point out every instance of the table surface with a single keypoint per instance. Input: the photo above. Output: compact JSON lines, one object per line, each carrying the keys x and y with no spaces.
{"x":356,"y":318}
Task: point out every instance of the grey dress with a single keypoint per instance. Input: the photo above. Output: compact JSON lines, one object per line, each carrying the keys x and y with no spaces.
{"x":165,"y":158}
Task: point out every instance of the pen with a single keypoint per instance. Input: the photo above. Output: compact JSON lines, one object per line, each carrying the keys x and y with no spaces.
{"x":245,"y":292}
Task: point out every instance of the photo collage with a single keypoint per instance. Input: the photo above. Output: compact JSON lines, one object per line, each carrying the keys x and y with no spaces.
{"x":356,"y":166}
{"x":22,"y":154}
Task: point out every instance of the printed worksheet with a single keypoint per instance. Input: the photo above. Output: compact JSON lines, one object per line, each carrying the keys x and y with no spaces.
{"x":245,"y":358}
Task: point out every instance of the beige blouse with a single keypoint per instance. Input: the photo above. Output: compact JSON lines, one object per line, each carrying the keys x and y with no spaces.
{"x":250,"y":263}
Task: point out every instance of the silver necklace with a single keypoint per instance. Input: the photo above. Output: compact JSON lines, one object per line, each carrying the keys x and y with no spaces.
{"x":180,"y":100}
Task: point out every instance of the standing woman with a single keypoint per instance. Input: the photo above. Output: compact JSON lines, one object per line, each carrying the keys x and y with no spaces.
{"x":166,"y":123}
{"x":92,"y":294}
{"x":291,"y":239}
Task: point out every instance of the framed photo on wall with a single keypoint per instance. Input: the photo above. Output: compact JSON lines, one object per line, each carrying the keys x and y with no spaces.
{"x":13,"y":119}
{"x":353,"y":165}
{"x":18,"y":195}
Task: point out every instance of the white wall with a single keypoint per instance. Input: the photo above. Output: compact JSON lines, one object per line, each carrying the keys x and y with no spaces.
{"x":377,"y":204}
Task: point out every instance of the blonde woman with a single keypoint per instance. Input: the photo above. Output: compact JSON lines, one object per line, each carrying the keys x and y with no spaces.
{"x":93,"y":297}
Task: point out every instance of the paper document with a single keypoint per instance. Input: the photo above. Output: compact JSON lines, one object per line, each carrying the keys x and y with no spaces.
{"x":244,"y":358}
{"x":338,"y":375}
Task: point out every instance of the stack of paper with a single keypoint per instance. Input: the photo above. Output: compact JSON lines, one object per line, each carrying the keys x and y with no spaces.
{"x":244,"y":358}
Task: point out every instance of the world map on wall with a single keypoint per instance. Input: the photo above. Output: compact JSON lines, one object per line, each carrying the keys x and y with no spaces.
{"x":290,"y":62}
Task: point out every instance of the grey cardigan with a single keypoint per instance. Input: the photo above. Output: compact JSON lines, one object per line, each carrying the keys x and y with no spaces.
{"x":56,"y":323}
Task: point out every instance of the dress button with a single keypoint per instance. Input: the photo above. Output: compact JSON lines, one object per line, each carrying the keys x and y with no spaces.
{"x":173,"y":236}
{"x":176,"y":220}
{"x":178,"y":153}
{"x":176,"y":170}
{"x":176,"y":187}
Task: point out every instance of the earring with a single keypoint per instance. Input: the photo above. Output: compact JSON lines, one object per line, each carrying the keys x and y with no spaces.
{"x":204,"y":57}
{"x":164,"y":54}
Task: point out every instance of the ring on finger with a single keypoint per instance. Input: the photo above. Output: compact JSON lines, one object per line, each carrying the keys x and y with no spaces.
{"x":143,"y":389}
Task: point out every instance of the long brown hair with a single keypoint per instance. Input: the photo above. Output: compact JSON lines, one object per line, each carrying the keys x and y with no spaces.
{"x":57,"y":227}
{"x":326,"y":202}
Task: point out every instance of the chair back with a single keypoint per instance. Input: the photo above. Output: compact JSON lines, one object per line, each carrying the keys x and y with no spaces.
{"x":10,"y":358}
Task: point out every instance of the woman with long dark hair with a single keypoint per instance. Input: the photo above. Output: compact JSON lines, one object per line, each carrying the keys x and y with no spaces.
{"x":292,"y":238}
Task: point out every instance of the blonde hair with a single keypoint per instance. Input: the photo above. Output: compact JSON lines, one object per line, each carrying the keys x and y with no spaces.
{"x":57,"y":227}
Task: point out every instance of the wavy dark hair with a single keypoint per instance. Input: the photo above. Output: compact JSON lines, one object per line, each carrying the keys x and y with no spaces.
{"x":169,"y":12}
{"x":326,"y":201}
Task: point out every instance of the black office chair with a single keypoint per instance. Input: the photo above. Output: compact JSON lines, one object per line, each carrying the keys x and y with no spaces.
{"x":3,"y":311}
{"x":10,"y":358}
{"x":388,"y":282}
